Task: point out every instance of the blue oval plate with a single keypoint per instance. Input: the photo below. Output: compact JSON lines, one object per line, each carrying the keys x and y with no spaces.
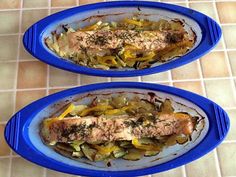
{"x":22,"y":131}
{"x":206,"y":29}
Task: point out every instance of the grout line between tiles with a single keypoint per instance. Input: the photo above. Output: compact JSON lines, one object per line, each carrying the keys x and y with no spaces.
{"x":77,"y":3}
{"x":230,"y":74}
{"x":16,"y":77}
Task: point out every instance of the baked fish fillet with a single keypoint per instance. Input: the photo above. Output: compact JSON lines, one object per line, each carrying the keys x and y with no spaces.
{"x":102,"y":129}
{"x":115,"y":39}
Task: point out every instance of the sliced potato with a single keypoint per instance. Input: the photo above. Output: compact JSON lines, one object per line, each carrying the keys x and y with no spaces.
{"x":64,"y":147}
{"x":100,"y":157}
{"x":181,"y":139}
{"x":77,"y":154}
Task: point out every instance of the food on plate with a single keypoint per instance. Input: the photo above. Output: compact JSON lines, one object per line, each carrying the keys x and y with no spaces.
{"x":117,"y":127}
{"x":128,"y":43}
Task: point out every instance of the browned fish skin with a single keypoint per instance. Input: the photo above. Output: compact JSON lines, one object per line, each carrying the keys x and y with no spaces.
{"x":108,"y":39}
{"x":101,"y":129}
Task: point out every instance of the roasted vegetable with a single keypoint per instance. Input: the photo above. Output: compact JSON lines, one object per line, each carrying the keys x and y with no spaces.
{"x":76,"y":145}
{"x":133,"y":154}
{"x":89,"y":152}
{"x":166,"y":107}
{"x":151,"y":153}
{"x":126,"y":54}
{"x":143,"y":114}
{"x":78,"y":154}
{"x":145,"y":144}
{"x":119,"y":152}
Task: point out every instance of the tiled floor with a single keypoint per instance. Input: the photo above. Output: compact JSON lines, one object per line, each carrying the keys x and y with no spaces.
{"x":24,"y":79}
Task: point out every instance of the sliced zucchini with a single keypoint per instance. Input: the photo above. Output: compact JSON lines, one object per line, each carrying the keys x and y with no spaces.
{"x":151,"y":153}
{"x":126,"y":144}
{"x":76,"y":145}
{"x":146,"y":141}
{"x":133,"y":154}
{"x":119,"y":153}
{"x":89,"y":152}
{"x":119,"y":101}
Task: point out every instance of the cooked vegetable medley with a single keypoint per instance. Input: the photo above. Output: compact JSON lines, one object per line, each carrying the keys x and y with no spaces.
{"x":117,"y":127}
{"x":129,"y":43}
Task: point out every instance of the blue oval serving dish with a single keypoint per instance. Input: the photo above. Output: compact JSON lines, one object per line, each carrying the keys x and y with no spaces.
{"x":206,"y":29}
{"x":22,"y":131}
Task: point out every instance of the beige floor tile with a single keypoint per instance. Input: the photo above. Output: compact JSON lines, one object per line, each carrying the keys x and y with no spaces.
{"x":189,"y":71}
{"x":232,"y":59}
{"x":4,"y":167}
{"x":23,"y":98}
{"x":227,"y":158}
{"x":7,"y":70}
{"x":229,"y":7}
{"x":84,"y":79}
{"x":35,"y":3}
{"x":82,"y":2}
{"x":62,"y":3}
{"x":11,"y":23}
{"x":179,"y":4}
{"x":221,"y":92}
{"x":51,"y":173}
{"x":193,"y":86}
{"x":205,"y":167}
{"x":163,"y":76}
{"x":164,"y":83}
{"x":125,"y":79}
{"x":9,"y":4}
{"x":206,"y":8}
{"x":177,"y":172}
{"x":216,"y":59}
{"x":31,"y":74}
{"x":51,"y":91}
{"x":4,"y":150}
{"x":172,"y":0}
{"x":197,"y":0}
{"x":29,"y":17}
{"x":24,"y":168}
{"x":219,"y":46}
{"x":6,"y":106}
{"x":59,"y":77}
{"x":232,"y":132}
{"x":230,"y":36}
{"x":8,"y":49}
{"x":57,"y":10}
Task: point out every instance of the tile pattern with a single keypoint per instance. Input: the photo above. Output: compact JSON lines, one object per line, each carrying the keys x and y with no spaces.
{"x":24,"y":79}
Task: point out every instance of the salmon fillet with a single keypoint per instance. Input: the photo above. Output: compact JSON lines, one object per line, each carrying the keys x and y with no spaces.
{"x":108,"y":39}
{"x":102,"y":129}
